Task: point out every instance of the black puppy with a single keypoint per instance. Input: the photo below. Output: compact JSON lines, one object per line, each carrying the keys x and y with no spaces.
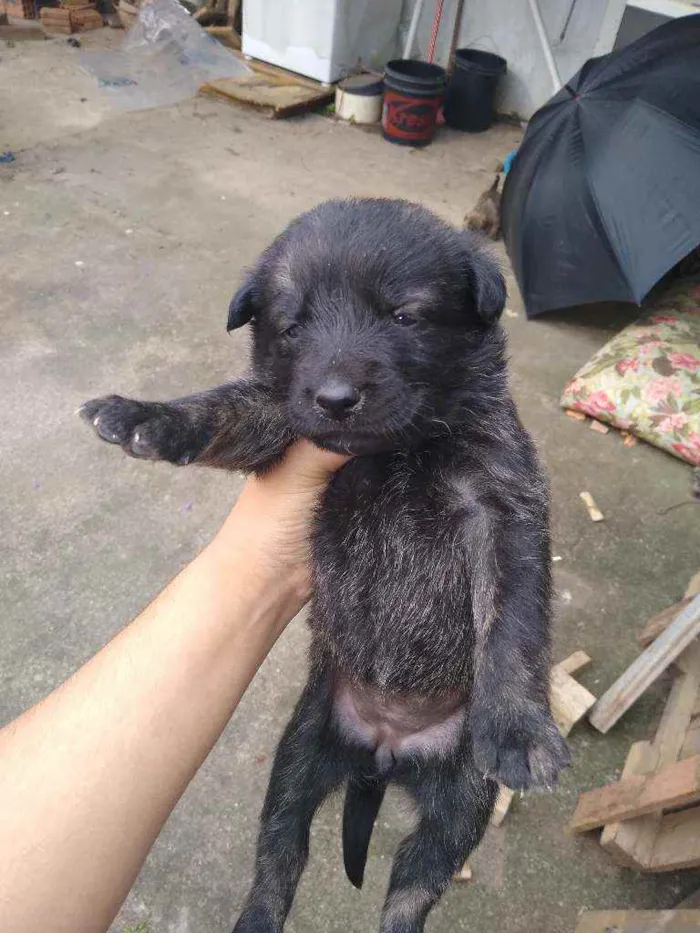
{"x":374,"y":327}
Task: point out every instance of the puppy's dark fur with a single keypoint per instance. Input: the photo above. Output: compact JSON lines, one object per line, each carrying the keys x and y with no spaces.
{"x":375,"y":331}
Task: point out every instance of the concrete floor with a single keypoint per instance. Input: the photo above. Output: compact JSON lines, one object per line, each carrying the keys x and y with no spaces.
{"x":123,"y":236}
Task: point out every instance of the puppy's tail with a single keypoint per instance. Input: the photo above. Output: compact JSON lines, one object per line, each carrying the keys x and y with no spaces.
{"x":362,"y":802}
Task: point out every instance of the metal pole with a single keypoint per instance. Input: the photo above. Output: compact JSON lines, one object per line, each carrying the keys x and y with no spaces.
{"x":546,"y":47}
{"x":413,"y":28}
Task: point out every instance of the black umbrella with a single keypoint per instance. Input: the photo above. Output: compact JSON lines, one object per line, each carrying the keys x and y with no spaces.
{"x":603,"y":196}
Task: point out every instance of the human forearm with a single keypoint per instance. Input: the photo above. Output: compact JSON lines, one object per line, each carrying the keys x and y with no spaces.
{"x":90,"y":775}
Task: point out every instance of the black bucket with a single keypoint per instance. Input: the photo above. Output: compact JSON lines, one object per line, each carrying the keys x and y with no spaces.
{"x":413,"y":94}
{"x":472,"y":90}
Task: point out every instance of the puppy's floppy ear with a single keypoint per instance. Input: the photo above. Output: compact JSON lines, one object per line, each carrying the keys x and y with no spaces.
{"x":485,"y":282}
{"x":242,"y":307}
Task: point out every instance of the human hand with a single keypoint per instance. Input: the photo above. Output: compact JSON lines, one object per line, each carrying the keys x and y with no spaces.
{"x":275,"y":511}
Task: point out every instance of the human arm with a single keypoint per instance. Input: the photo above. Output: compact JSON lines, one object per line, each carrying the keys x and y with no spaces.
{"x":90,"y":774}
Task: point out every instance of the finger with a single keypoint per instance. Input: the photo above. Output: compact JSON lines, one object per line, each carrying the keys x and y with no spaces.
{"x":312,"y":464}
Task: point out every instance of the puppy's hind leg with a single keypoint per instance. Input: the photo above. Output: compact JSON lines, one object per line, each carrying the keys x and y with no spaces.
{"x":304,"y":773}
{"x":454,"y":810}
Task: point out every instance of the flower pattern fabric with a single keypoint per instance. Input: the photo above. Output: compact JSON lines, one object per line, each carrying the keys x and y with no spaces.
{"x":646,"y":380}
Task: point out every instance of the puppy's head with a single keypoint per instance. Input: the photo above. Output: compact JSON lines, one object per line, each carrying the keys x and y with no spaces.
{"x":370,"y":317}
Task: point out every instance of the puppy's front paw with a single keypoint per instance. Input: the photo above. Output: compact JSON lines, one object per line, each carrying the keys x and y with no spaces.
{"x":148,"y":430}
{"x":521,"y":750}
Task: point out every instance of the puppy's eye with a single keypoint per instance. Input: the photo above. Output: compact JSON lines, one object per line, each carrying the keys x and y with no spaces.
{"x":404,"y":318}
{"x":292,"y":331}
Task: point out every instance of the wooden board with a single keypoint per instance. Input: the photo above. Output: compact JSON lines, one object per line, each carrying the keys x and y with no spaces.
{"x":570,"y":701}
{"x":631,"y":842}
{"x":619,"y":838}
{"x":660,"y":622}
{"x":503,"y":802}
{"x":677,"y":843}
{"x":282,"y":100}
{"x":639,"y":921}
{"x":225,"y":35}
{"x":573,"y":663}
{"x":675,"y":785}
{"x":647,"y":668}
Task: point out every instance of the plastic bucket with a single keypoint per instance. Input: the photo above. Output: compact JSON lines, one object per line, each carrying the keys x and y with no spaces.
{"x":413,"y":94}
{"x":359,"y":99}
{"x":472,"y":91}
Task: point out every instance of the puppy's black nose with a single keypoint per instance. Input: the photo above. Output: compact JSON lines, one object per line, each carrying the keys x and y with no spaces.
{"x":337,"y":397}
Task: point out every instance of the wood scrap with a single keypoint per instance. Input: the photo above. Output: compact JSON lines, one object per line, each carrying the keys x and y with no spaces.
{"x":676,"y":785}
{"x":279,"y":98}
{"x":693,"y":587}
{"x":503,"y":802}
{"x":631,"y":842}
{"x":225,"y":35}
{"x":677,"y":843}
{"x":593,"y":511}
{"x":464,"y":874}
{"x":128,"y":13}
{"x":661,"y":621}
{"x":599,"y":427}
{"x":647,"y":668}
{"x":639,"y":921}
{"x":619,"y":838}
{"x":570,"y":701}
{"x":576,"y":415}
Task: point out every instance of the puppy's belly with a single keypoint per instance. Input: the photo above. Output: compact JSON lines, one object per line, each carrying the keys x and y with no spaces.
{"x":395,"y":726}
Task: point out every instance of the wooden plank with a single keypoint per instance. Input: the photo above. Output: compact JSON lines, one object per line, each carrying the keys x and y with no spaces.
{"x":677,"y":843}
{"x":660,"y":622}
{"x":693,"y":587}
{"x":639,"y":921}
{"x":503,"y":802}
{"x":225,"y":35}
{"x":634,"y":840}
{"x":691,"y":743}
{"x":675,"y":785}
{"x":573,"y":663}
{"x":570,"y":701}
{"x":282,"y":100}
{"x":647,"y":668}
{"x":618,"y":838}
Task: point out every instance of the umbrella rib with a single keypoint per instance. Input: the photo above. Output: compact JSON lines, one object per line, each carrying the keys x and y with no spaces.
{"x":607,"y":240}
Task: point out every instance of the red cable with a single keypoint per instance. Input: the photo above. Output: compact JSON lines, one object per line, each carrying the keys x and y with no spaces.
{"x":435,"y":29}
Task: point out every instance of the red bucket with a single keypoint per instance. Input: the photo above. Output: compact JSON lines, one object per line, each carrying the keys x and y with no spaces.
{"x":413,"y":94}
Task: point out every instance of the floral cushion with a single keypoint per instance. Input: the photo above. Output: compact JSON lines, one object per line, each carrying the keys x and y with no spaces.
{"x":646,"y":380}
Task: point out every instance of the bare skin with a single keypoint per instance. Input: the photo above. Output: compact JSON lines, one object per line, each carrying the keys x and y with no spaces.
{"x":90,"y":775}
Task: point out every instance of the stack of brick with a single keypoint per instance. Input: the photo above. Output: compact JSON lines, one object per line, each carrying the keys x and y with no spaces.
{"x":71,"y":16}
{"x":21,"y":9}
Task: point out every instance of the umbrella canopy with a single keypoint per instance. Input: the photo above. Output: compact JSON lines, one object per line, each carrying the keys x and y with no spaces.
{"x":603,"y":196}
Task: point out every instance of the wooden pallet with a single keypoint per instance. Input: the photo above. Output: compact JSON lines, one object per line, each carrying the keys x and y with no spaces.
{"x":651,"y":816}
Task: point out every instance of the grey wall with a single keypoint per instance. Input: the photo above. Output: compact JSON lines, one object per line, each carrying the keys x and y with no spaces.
{"x":507,"y":28}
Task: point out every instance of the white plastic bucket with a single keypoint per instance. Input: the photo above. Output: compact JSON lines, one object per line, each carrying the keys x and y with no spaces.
{"x":359,"y":99}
